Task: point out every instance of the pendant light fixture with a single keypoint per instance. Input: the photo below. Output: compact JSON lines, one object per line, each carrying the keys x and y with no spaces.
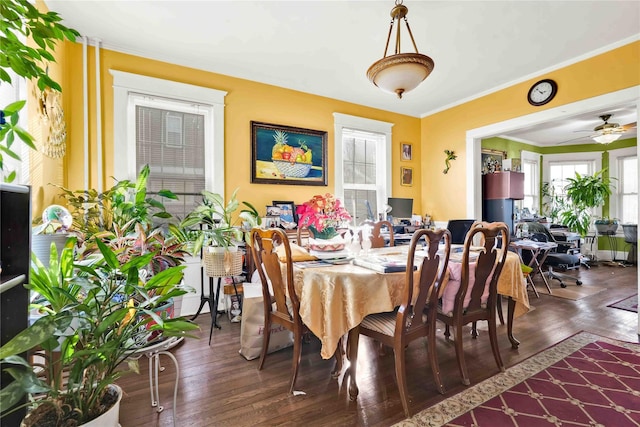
{"x":400,"y":72}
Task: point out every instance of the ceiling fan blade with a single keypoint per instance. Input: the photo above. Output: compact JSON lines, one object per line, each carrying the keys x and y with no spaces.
{"x":574,"y":139}
{"x":629,"y":126}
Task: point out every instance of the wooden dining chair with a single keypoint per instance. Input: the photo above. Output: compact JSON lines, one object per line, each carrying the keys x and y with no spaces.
{"x":476,"y":297}
{"x":302,"y":235}
{"x":416,"y":316}
{"x":281,"y":304}
{"x":377,"y":240}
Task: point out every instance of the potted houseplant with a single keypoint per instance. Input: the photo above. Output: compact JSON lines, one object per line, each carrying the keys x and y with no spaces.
{"x":584,"y":192}
{"x":22,"y":20}
{"x":95,"y":312}
{"x":606,"y":226}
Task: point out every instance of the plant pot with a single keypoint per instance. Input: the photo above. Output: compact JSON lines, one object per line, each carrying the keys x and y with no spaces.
{"x":609,"y":228}
{"x":41,"y":245}
{"x":222,"y":262}
{"x":108,"y":419}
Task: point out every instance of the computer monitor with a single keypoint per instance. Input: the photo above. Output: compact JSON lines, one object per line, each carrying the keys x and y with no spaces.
{"x":401,"y":209}
{"x":459,"y":229}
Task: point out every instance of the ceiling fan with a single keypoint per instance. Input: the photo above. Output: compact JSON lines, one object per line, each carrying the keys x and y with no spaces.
{"x":605,"y":132}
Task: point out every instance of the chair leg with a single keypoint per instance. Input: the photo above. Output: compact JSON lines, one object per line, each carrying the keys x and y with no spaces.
{"x":474,"y":330}
{"x":460,"y":355}
{"x":493,"y":338}
{"x":352,"y":351}
{"x":297,"y":355}
{"x":401,"y":377}
{"x":500,"y":316}
{"x":447,"y":335}
{"x":433,"y":361}
{"x":265,"y":341}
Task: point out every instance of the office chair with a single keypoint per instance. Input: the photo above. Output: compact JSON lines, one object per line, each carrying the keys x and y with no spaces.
{"x":564,"y":256}
{"x":459,"y":229}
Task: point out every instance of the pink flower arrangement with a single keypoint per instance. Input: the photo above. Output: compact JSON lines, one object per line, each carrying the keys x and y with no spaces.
{"x":322,"y":212}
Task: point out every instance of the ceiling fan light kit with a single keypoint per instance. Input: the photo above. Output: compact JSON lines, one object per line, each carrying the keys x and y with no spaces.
{"x":401,"y":72}
{"x":607,"y":132}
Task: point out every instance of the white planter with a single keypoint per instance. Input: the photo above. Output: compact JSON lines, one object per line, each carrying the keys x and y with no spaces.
{"x":108,"y":419}
{"x":41,"y":245}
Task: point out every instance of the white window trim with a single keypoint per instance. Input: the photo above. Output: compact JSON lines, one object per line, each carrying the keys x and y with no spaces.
{"x":614,"y":172}
{"x":124,"y":146}
{"x":342,"y":121}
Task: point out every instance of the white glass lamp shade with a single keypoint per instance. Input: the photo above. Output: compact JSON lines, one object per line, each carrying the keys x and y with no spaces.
{"x":606,"y":138}
{"x":400,"y":73}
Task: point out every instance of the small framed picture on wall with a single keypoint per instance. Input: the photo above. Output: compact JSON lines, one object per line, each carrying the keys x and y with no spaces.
{"x":406,"y":176}
{"x":407,"y":152}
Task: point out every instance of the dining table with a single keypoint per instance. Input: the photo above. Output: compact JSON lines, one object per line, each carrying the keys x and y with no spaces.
{"x":334,"y":298}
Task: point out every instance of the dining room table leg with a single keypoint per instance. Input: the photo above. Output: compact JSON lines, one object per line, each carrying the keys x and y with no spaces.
{"x":352,"y":354}
{"x":512,"y":305}
{"x":339,"y":356}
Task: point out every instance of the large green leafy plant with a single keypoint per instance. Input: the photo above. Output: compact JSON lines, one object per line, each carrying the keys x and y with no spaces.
{"x":94,"y":313}
{"x":22,"y":20}
{"x":584,"y":192}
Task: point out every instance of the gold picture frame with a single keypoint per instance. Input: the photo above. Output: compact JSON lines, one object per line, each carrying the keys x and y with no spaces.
{"x":406,"y":176}
{"x":491,"y":158}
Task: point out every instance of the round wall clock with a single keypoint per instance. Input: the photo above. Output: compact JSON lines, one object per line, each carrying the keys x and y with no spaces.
{"x":542,"y":92}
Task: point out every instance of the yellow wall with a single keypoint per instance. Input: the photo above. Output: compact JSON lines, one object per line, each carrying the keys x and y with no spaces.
{"x":444,"y":196}
{"x":245,"y":101}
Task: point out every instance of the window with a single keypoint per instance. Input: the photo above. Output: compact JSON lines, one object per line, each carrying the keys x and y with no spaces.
{"x":175,"y":128}
{"x":363,"y":163}
{"x":623,"y":203}
{"x":531,"y":169}
{"x":559,"y":167}
{"x":170,"y":139}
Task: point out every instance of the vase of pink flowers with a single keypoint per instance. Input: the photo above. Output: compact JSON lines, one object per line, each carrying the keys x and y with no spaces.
{"x":323,"y":214}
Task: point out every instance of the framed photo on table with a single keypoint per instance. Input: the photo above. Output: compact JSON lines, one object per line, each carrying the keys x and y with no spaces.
{"x":288,"y":155}
{"x":406,"y":177}
{"x":288,"y":216}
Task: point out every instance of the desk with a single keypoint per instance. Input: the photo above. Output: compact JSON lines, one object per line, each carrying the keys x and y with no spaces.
{"x":539,"y":252}
{"x":335,"y":299}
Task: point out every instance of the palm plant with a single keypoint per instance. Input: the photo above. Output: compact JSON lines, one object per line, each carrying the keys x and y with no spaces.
{"x":584,"y":192}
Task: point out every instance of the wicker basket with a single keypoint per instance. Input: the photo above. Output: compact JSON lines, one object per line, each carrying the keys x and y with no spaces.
{"x":214,"y":264}
{"x":292,"y":170}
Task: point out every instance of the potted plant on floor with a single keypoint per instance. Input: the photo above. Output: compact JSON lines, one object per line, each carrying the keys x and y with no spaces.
{"x":95,"y":313}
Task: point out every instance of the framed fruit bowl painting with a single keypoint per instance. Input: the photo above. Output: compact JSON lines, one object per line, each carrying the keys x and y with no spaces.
{"x":288,"y":155}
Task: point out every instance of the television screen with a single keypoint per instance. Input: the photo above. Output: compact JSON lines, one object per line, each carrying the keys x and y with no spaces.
{"x":400,"y":208}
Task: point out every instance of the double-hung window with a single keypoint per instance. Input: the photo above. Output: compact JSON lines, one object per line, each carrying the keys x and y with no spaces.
{"x":623,"y":203}
{"x":175,"y":128}
{"x":363,"y":163}
{"x":531,"y":168}
{"x":559,"y":167}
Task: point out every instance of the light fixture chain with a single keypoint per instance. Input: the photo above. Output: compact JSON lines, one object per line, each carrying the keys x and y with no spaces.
{"x":410,"y":34}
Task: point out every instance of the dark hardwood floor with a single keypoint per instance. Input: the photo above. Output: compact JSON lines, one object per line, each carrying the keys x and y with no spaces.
{"x":218,"y":387}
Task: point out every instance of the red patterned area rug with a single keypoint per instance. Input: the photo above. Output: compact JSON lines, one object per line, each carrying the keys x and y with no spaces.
{"x":629,"y":304}
{"x":585,"y":380}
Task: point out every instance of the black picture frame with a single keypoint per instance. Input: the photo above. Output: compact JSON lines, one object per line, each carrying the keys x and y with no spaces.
{"x":285,"y":205}
{"x":267,"y":169}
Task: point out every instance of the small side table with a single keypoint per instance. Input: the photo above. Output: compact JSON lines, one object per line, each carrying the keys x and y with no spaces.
{"x":153,"y":353}
{"x":539,"y":252}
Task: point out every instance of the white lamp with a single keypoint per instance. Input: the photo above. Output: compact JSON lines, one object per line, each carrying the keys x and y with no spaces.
{"x":401,"y":72}
{"x":606,"y":138}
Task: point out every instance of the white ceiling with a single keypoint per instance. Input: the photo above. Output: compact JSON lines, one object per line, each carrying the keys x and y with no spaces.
{"x":325,"y":47}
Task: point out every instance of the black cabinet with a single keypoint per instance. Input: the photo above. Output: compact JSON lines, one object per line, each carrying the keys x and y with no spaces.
{"x":499,"y":210}
{"x":15,"y":253}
